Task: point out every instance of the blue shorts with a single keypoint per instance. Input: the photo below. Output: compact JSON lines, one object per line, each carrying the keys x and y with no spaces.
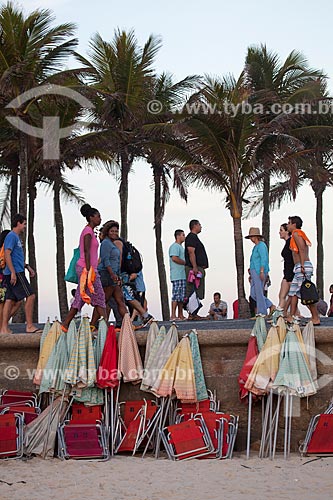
{"x":178,"y":290}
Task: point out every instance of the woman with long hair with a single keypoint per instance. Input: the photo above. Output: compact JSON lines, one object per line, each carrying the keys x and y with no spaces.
{"x":288,"y":269}
{"x":109,"y":268}
{"x":88,"y":259}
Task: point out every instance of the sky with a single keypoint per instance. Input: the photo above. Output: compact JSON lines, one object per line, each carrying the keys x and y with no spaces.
{"x":198,"y":38}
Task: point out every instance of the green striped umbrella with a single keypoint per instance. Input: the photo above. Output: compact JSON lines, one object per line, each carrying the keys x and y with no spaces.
{"x":94,"y":395}
{"x":81,"y":369}
{"x":200,"y":384}
{"x":259,"y":331}
{"x":294,"y":373}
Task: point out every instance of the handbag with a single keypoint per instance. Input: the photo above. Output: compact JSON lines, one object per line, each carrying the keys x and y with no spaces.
{"x":309,"y":293}
{"x":71,"y":274}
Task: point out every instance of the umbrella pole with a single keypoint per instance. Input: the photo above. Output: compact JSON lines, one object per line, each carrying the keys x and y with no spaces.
{"x":163,"y":421}
{"x":156,"y":425}
{"x":116,"y":411}
{"x":49,"y":418}
{"x":249,"y":417}
{"x":290,"y":420}
{"x":111,"y":423}
{"x":106,"y":412}
{"x":264,"y":430}
{"x":68,"y":407}
{"x":277,"y":412}
{"x":286,"y":410}
{"x":270,"y":423}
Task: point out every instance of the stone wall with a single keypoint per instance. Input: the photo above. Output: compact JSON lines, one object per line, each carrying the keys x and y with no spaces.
{"x":223,"y":353}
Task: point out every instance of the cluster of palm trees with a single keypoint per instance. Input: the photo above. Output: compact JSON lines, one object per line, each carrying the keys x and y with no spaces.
{"x":255,"y":159}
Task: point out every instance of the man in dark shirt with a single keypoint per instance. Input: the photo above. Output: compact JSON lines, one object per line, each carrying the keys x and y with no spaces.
{"x":195,"y":259}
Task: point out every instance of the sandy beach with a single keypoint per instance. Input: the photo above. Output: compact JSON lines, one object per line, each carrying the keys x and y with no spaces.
{"x":126,"y":477}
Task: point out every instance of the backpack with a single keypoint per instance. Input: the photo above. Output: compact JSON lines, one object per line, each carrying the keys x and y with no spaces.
{"x":309,"y":293}
{"x":131,"y":261}
{"x":2,"y":257}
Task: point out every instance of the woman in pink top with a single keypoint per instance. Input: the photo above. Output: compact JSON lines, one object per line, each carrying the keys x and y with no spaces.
{"x":88,"y":258}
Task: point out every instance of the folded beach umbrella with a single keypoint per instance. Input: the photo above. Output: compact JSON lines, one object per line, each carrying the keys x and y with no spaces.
{"x":250,"y":359}
{"x":294,"y":373}
{"x":50,"y":340}
{"x":259,"y":331}
{"x":266,"y":365}
{"x":53,"y":379}
{"x":40,"y":434}
{"x":93,"y":395}
{"x":46,"y":330}
{"x":160,"y":352}
{"x":81,"y":369}
{"x":151,"y":337}
{"x":107,"y":371}
{"x":200,"y":384}
{"x":310,"y":348}
{"x":177,"y":375}
{"x":129,"y":362}
{"x":150,"y":357}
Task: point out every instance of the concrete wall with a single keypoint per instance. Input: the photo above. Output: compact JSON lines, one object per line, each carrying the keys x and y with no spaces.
{"x":223,"y":353}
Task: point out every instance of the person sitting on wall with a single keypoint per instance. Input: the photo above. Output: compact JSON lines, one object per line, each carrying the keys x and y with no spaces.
{"x":218,"y":309}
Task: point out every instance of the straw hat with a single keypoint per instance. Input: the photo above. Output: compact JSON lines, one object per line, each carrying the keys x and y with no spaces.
{"x":254,"y":231}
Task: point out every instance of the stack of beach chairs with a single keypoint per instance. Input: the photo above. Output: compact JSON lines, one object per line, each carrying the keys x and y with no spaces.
{"x":16,"y":409}
{"x":84,"y":434}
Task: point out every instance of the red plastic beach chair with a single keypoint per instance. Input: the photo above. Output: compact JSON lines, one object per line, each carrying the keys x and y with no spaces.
{"x":11,"y":436}
{"x":187,"y":440}
{"x":83,"y":441}
{"x":321,"y":441}
{"x":28,"y":413}
{"x":82,"y":414}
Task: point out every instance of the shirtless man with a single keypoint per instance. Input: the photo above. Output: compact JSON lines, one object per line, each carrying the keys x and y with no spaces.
{"x":303,"y":267}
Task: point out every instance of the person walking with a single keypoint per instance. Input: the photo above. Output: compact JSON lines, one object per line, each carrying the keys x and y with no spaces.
{"x":109,"y":270}
{"x":303,"y":268}
{"x":196,"y":260}
{"x":16,"y":284}
{"x":259,"y":269}
{"x":177,"y":275}
{"x":288,"y":269}
{"x":330,"y":311}
{"x":88,"y":259}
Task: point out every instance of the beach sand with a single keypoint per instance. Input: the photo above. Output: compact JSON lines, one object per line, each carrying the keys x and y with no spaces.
{"x":125,"y":477}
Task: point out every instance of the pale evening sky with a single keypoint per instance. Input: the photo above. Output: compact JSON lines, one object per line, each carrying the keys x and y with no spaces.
{"x":198,"y":38}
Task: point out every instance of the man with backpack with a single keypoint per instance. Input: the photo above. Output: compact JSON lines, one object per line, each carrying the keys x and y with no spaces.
{"x":17,"y":286}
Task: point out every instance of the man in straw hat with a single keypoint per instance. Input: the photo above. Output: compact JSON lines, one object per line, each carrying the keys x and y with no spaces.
{"x":259,"y":269}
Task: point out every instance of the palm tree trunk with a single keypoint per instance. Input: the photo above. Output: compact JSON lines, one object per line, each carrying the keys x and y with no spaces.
{"x":60,"y":253}
{"x":32,"y":247}
{"x":126,"y":164}
{"x":158,"y":243}
{"x":13,"y":195}
{"x":266,"y":220}
{"x":319,"y":191}
{"x":243,"y":305}
{"x":23,"y":199}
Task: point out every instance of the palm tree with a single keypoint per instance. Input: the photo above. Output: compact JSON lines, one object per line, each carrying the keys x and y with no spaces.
{"x":314,"y":165}
{"x":274,"y":85}
{"x":223,"y":147}
{"x":122,"y":76}
{"x":31,"y":51}
{"x":162,"y":150}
